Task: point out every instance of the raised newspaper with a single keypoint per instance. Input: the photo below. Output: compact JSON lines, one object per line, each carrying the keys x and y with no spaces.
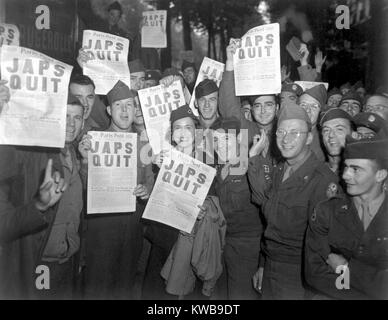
{"x":9,"y":34}
{"x":108,"y":59}
{"x":36,"y":112}
{"x":112,"y":172}
{"x":157,"y":103}
{"x":210,"y":69}
{"x":257,"y":61}
{"x":153,"y":31}
{"x":182,"y":185}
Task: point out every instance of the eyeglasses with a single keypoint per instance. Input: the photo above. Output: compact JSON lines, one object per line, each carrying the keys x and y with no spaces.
{"x":377,"y":107}
{"x":293,"y":134}
{"x":267,"y":106}
{"x":309,"y":106}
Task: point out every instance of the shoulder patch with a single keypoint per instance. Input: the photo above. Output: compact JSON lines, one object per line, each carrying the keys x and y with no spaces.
{"x":332,"y":190}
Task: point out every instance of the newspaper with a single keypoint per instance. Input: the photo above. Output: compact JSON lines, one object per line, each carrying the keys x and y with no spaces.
{"x":9,"y":35}
{"x":36,"y":112}
{"x":257,"y":61}
{"x":210,"y":69}
{"x":112,"y":172}
{"x":182,"y":184}
{"x":153,"y":31}
{"x":108,"y":62}
{"x":157,"y":103}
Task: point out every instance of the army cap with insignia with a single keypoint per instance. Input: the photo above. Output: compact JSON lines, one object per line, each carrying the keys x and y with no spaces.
{"x":293,"y":88}
{"x":335,"y":113}
{"x":371,"y":121}
{"x":153,"y":75}
{"x":293,"y":111}
{"x":182,"y":112}
{"x":120,"y":91}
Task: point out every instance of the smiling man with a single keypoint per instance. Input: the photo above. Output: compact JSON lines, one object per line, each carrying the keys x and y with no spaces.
{"x":114,"y":241}
{"x":336,"y":124}
{"x":313,"y":101}
{"x":378,"y":104}
{"x":346,"y":237}
{"x":287,"y":198}
{"x":351,"y":103}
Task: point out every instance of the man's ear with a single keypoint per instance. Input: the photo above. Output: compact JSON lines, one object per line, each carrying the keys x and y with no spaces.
{"x":309,"y":138}
{"x":109,"y":110}
{"x":381,"y":175}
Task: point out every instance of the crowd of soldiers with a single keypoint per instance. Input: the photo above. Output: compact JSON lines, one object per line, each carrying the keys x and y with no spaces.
{"x":305,"y":217}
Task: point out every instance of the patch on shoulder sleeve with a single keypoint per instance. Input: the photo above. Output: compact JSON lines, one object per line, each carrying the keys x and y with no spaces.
{"x":332,"y":190}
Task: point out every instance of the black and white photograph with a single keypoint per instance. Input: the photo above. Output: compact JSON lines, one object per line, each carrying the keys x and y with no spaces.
{"x":188,"y":156}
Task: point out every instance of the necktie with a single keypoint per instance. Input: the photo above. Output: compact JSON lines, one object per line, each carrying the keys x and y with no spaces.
{"x":366,"y":217}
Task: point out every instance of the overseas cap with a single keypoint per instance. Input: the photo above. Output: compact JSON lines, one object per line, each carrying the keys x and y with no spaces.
{"x":120,"y":91}
{"x":335,"y":113}
{"x":205,"y":87}
{"x":292,"y":87}
{"x":319,"y":93}
{"x":375,"y":148}
{"x":153,"y":75}
{"x":182,"y":112}
{"x":371,"y":121}
{"x":292,"y":111}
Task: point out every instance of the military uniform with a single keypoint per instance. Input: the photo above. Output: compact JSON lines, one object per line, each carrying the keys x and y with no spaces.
{"x":243,"y":233}
{"x":287,"y":206}
{"x":335,"y":227}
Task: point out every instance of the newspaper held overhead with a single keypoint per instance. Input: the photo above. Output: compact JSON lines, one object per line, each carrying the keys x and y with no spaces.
{"x":305,"y":85}
{"x":36,"y":112}
{"x":157,"y":103}
{"x":108,"y":62}
{"x":9,"y":35}
{"x":112,"y":172}
{"x":153,"y":31}
{"x":257,"y":61}
{"x":182,"y":185}
{"x":210,"y":69}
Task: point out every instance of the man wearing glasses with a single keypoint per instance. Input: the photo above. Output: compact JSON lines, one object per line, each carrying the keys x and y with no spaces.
{"x":312,"y":101}
{"x":378,"y":104}
{"x":287,"y":199}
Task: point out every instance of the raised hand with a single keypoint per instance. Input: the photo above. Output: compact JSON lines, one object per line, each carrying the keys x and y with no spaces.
{"x":51,"y":189}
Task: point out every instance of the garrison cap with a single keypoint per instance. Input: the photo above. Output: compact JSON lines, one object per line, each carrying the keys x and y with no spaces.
{"x":182,"y":112}
{"x":205,"y":87}
{"x":293,"y":88}
{"x":335,"y":113}
{"x":291,"y":111}
{"x":119,"y":91}
{"x":319,"y":93}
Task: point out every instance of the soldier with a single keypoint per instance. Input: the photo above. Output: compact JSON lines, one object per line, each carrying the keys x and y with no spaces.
{"x":287,"y":194}
{"x":334,"y":98}
{"x":336,"y":124}
{"x":244,"y":227}
{"x":313,"y":101}
{"x":347,"y":239}
{"x":369,"y":124}
{"x":114,"y":241}
{"x":351,"y":103}
{"x":290,"y":93}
